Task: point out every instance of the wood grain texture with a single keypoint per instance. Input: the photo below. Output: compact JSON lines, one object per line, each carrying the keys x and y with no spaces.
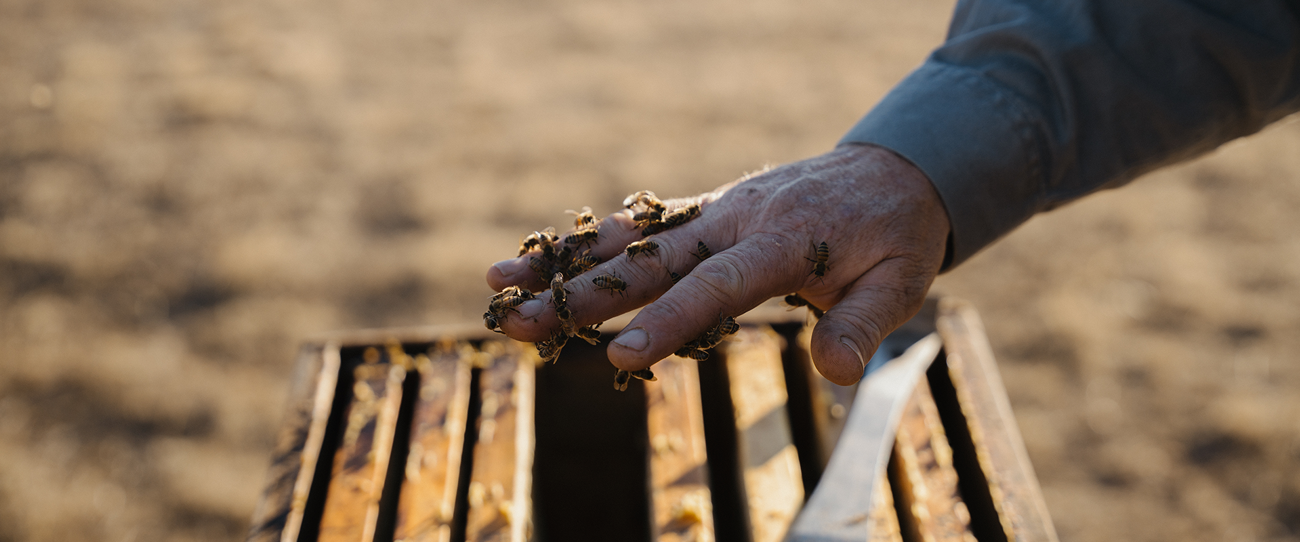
{"x":883,"y":524}
{"x":772,"y":480}
{"x":501,"y":481}
{"x":428,"y":498}
{"x":679,"y":474}
{"x":928,"y":481}
{"x":295,"y":449}
{"x":998,"y":443}
{"x":361,"y":462}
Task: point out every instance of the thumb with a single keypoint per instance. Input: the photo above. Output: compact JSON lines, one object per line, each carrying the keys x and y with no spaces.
{"x":882,"y":299}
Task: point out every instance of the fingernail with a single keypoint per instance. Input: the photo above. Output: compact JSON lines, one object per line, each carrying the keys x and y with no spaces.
{"x":511,"y":267}
{"x":633,"y":339}
{"x":531,"y":308}
{"x":847,"y":343}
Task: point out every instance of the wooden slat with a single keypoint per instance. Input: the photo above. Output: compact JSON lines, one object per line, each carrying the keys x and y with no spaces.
{"x":679,"y":474}
{"x":773,"y":483}
{"x":998,"y":443}
{"x":830,"y":401}
{"x":428,"y":497}
{"x":883,"y":523}
{"x":361,"y":463}
{"x":501,"y":482}
{"x":298,"y":444}
{"x":927,"y":478}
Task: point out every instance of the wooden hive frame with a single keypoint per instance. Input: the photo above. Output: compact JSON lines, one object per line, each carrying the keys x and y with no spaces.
{"x":456,"y":434}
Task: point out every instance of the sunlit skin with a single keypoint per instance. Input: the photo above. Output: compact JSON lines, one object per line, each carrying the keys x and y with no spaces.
{"x":882,"y":220}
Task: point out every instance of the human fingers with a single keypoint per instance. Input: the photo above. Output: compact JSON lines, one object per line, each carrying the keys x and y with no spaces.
{"x":727,"y":284}
{"x":628,"y":280}
{"x":615,"y":232}
{"x":876,"y":304}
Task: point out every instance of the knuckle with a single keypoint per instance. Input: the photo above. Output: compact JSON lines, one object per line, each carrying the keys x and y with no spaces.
{"x":722,"y":278}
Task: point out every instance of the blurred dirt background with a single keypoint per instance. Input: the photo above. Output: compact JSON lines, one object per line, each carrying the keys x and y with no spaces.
{"x":188,"y":189}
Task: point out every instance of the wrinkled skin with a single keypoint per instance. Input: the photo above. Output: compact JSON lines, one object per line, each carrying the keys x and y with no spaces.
{"x":881,"y":218}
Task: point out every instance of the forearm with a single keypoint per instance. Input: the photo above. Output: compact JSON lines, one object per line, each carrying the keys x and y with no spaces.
{"x":1029,"y":106}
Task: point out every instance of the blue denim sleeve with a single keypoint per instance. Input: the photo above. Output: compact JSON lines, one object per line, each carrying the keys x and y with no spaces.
{"x":1030,"y":104}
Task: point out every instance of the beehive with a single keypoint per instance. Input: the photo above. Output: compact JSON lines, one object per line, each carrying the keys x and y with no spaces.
{"x":442,"y":435}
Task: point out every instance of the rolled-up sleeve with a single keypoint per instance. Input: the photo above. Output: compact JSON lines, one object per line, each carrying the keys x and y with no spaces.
{"x":1031,"y":104}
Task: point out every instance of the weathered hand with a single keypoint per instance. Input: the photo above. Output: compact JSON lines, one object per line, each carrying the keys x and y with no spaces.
{"x":883,"y":223}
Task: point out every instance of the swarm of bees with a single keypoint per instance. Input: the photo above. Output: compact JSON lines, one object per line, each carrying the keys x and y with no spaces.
{"x":698,"y":348}
{"x":563,"y":258}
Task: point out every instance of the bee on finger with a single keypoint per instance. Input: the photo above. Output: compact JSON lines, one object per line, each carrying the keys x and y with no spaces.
{"x":513,"y":291}
{"x":620,"y":379}
{"x":682,"y":215}
{"x":582,"y":219}
{"x":692,"y":353}
{"x":567,"y":325}
{"x":558,"y":294}
{"x":611,"y":283}
{"x":589,"y":333}
{"x":820,"y":267}
{"x":795,"y":301}
{"x":492,"y":322}
{"x":641,"y":247}
{"x":582,"y":237}
{"x":500,"y":306}
{"x":644,"y":374}
{"x":549,"y":349}
{"x":583,"y":263}
{"x":702,"y":251}
{"x":539,"y":266}
{"x":647,"y":217}
{"x":644,"y":197}
{"x":674,"y":277}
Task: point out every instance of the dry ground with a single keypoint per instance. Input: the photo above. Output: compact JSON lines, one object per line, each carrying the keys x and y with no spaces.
{"x":187,"y":189}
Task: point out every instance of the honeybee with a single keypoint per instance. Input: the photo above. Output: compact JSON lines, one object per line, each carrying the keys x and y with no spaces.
{"x":582,"y":237}
{"x":583,"y":263}
{"x":549,"y":349}
{"x":513,"y":291}
{"x":611,"y":283}
{"x":648,"y":217}
{"x":620,"y":379}
{"x":537,"y":239}
{"x":692,"y":353}
{"x":501,"y":305}
{"x":641,"y":247}
{"x":539,"y":266}
{"x":644,"y":197}
{"x":582,"y":219}
{"x":589,"y":333}
{"x":558,"y":293}
{"x":490,"y":320}
{"x":795,"y":301}
{"x":820,"y":266}
{"x":674,"y":277}
{"x":702,"y":251}
{"x":653,"y":228}
{"x":728,"y":326}
{"x":644,"y":374}
{"x":565,"y":316}
{"x":682,"y":216}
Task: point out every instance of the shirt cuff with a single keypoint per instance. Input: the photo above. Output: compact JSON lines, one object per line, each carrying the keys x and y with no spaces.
{"x":976,"y":142}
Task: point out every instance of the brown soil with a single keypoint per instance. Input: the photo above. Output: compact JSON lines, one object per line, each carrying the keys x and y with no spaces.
{"x":188,"y":189}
